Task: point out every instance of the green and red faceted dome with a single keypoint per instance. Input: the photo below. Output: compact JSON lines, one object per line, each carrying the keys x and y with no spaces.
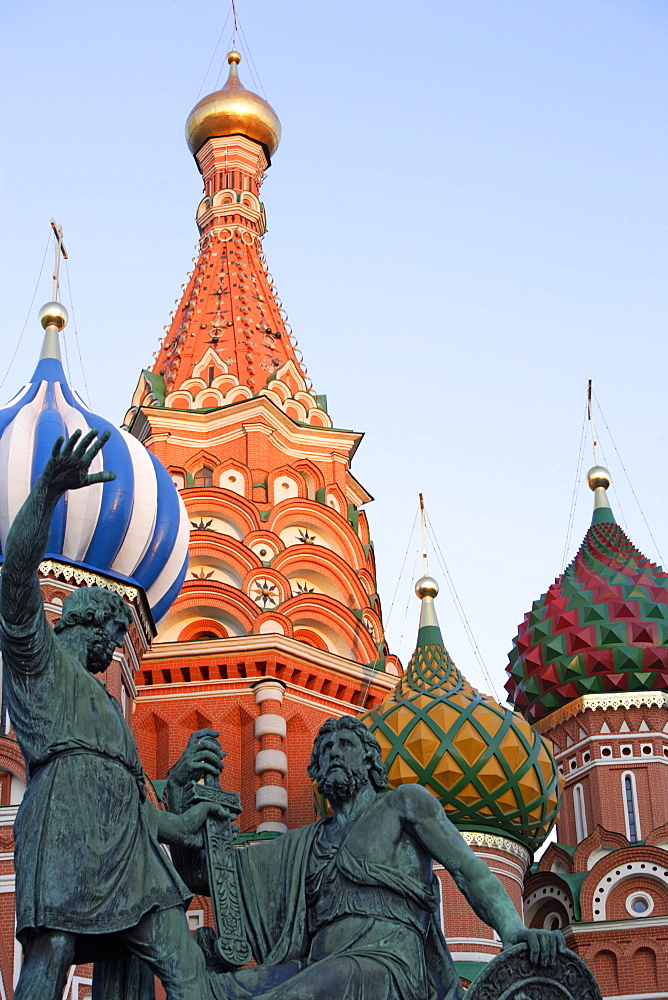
{"x":601,"y":627}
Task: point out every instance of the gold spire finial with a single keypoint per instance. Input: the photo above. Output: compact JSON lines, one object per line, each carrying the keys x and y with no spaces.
{"x":426,"y":587}
{"x":590,"y":416}
{"x":234,"y":57}
{"x":598,"y":478}
{"x":236,"y":27}
{"x":423,"y":526}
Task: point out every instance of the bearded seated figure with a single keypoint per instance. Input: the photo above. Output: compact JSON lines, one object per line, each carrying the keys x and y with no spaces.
{"x":345,"y":908}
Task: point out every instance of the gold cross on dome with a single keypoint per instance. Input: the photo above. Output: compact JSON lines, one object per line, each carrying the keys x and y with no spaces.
{"x":60,"y":249}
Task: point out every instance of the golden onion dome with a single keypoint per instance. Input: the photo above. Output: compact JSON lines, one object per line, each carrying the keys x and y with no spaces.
{"x":233,"y":111}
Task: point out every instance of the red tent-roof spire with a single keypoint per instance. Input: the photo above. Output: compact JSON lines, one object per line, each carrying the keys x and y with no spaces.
{"x":228,"y":339}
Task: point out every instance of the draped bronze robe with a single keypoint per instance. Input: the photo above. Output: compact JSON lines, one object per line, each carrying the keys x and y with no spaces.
{"x":400,"y":938}
{"x":87,"y":858}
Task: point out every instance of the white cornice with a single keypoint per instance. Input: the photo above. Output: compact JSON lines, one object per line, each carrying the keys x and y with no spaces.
{"x":78,"y":574}
{"x":626,"y":699}
{"x":479,"y":839}
{"x":243,"y":411}
{"x":605,"y":926}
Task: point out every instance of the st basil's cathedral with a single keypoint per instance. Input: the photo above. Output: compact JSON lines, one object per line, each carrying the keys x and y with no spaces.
{"x":235,"y":533}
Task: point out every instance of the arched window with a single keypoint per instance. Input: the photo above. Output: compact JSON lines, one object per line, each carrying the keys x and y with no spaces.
{"x":631,"y":806}
{"x":580,"y":815}
{"x":204,"y":476}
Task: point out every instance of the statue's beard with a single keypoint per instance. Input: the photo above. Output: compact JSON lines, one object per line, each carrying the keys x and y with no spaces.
{"x":100,"y":650}
{"x":342,"y":781}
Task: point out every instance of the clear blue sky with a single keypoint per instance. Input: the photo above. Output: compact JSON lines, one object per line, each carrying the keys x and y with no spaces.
{"x":467,"y":219}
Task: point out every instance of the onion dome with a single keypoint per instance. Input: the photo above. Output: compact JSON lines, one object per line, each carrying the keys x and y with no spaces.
{"x":233,"y":111}
{"x":601,"y":627}
{"x":135,"y":528}
{"x":487,"y":767}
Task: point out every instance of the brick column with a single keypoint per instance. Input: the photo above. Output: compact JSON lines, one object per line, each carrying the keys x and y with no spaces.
{"x":271,"y":762}
{"x":469,"y":938}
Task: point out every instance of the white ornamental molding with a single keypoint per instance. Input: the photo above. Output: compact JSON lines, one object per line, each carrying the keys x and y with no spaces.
{"x":479,"y":839}
{"x":546,"y":894}
{"x":594,"y":701}
{"x":66,"y":572}
{"x":635,"y":869}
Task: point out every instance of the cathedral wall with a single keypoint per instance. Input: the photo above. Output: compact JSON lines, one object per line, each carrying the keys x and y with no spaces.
{"x":469,"y":938}
{"x":631,"y":965}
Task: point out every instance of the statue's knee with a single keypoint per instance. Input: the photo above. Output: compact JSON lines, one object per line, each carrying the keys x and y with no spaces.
{"x":62,"y":945}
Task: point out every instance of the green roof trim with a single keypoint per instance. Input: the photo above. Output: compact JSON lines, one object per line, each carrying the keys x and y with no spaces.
{"x":469,"y":970}
{"x":567,"y":849}
{"x":574,"y":883}
{"x":377,"y":664}
{"x":251,"y":837}
{"x":430,"y":635}
{"x":603,"y":515}
{"x":225,"y":406}
{"x":158,"y":788}
{"x":157,"y":384}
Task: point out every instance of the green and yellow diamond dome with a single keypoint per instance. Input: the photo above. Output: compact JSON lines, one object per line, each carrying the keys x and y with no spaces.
{"x":487,"y":767}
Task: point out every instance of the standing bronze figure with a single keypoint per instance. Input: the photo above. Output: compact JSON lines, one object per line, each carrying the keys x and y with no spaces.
{"x":92,"y":881}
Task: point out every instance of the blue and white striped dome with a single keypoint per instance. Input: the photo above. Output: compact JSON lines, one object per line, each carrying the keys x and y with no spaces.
{"x":134,"y":528}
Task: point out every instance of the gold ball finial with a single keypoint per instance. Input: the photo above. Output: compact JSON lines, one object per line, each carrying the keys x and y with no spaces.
{"x":598,"y":477}
{"x":53,"y":314}
{"x":426,"y":587}
{"x":234,"y":57}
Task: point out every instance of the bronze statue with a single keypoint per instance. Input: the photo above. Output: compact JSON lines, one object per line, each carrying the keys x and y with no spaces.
{"x":342,"y":909}
{"x":346,"y":908}
{"x":91,"y":879}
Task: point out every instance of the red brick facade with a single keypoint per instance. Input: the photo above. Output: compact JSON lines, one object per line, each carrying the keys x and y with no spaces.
{"x":606,"y":880}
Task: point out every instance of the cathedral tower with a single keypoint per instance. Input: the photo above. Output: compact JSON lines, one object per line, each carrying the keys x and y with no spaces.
{"x":589,"y":668}
{"x":278,"y":624}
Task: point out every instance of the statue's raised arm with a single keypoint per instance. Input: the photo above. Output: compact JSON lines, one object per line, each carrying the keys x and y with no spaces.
{"x":66,"y":469}
{"x":88,"y":859}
